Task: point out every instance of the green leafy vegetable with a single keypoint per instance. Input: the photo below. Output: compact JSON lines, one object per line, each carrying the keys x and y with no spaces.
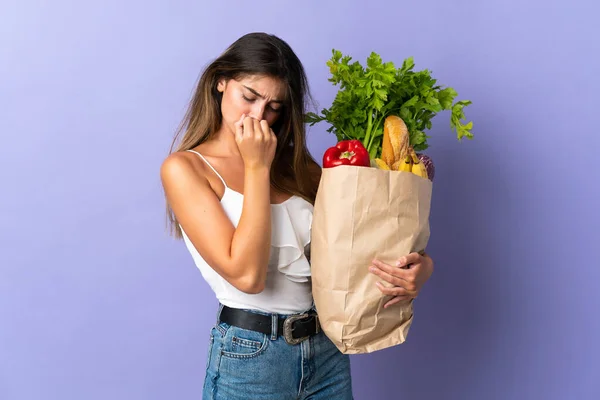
{"x":366,"y":96}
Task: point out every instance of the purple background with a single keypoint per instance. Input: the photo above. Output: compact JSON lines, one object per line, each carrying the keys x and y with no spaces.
{"x":97,"y":302}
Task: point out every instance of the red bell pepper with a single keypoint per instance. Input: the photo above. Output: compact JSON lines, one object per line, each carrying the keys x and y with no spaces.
{"x":347,"y":152}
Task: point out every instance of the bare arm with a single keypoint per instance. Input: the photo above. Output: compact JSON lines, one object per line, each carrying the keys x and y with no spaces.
{"x":240,"y":255}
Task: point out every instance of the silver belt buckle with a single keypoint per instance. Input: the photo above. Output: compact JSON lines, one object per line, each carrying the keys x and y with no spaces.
{"x":287,"y":328}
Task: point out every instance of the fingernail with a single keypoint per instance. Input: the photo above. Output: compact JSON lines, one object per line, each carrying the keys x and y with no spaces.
{"x":371,"y":269}
{"x":401,"y":262}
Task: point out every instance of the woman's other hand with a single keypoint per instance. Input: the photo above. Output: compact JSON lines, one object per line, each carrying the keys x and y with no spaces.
{"x":407,"y":276}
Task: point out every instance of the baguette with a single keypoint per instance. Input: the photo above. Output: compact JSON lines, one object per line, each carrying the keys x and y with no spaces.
{"x":387,"y":151}
{"x":395,"y":140}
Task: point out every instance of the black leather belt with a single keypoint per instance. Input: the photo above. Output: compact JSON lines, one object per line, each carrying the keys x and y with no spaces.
{"x":294,"y":328}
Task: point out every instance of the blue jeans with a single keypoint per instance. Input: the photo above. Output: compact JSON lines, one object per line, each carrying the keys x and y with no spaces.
{"x":248,"y":365}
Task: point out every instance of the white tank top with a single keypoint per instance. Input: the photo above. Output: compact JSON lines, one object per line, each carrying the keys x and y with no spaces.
{"x":288,"y":287}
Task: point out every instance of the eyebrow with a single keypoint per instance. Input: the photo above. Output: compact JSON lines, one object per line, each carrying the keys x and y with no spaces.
{"x":254,"y":92}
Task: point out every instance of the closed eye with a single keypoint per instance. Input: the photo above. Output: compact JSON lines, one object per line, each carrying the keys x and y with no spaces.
{"x":249,"y":100}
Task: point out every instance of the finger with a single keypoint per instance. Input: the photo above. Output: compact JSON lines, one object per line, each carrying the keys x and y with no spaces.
{"x":406,"y":261}
{"x":387,"y":276}
{"x":395,"y":290}
{"x":264,"y":126}
{"x":396,"y":276}
{"x":393,"y":271}
{"x":240,"y":121}
{"x":396,"y":300}
{"x":248,"y":127}
{"x":273,"y":136}
{"x":239,"y":127}
{"x":257,"y":129}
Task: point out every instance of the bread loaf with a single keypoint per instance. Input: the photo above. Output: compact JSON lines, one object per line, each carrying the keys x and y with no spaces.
{"x":396,"y":140}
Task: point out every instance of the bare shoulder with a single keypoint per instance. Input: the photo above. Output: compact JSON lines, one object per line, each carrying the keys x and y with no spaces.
{"x":181,"y":171}
{"x":177,"y":166}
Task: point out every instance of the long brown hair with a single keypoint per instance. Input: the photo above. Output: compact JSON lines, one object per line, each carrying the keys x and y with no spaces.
{"x":293,"y":170}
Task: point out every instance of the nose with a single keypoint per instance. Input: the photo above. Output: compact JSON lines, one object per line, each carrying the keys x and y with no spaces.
{"x":258,"y":111}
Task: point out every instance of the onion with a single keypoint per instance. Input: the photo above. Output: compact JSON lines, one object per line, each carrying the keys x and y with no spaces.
{"x":428,"y":162}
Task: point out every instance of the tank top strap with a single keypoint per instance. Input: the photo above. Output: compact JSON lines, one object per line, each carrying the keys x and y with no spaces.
{"x":211,"y":167}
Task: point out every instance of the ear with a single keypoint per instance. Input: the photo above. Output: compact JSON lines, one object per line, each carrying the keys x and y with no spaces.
{"x":221,"y":85}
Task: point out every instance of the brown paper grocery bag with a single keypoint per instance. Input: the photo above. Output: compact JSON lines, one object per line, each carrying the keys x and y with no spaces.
{"x":363,"y":213}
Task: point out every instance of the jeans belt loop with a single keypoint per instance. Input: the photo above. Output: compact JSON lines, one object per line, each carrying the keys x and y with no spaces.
{"x":274,"y":324}
{"x":219,"y":310}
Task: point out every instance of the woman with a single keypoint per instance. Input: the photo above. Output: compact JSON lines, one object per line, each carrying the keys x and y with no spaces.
{"x":240,"y":189}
